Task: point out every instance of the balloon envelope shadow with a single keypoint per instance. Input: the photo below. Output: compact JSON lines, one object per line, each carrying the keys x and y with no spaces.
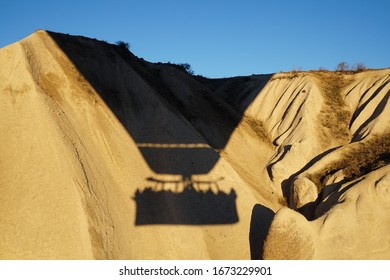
{"x":179,"y":159}
{"x":133,"y":89}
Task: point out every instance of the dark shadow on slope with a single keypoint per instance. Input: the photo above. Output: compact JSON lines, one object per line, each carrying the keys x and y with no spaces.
{"x":286,"y":149}
{"x":260,"y":223}
{"x":364,"y":105}
{"x":237,"y":92}
{"x":378,"y":110}
{"x":308,"y":210}
{"x":185,"y":161}
{"x":207,"y":105}
{"x":188,"y":207}
{"x":333,"y":199}
{"x":135,"y":90}
{"x":286,"y":184}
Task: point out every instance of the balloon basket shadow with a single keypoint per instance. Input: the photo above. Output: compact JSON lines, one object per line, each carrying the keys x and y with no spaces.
{"x":189,"y":206}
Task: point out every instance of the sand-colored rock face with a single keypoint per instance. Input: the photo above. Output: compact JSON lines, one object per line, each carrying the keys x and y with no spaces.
{"x":290,"y":237}
{"x":107,"y":156}
{"x":304,"y":191}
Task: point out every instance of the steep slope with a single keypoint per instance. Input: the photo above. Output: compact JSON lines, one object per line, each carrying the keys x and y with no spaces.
{"x":108,"y":156}
{"x":104,"y":132}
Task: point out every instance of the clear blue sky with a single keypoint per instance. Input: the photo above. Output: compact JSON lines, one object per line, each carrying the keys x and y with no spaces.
{"x":219,"y":38}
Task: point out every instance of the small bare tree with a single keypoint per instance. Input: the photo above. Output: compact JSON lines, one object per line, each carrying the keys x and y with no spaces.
{"x":342,"y":66}
{"x":359,"y":67}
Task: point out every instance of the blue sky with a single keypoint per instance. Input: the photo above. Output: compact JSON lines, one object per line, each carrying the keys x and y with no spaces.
{"x":219,"y":38}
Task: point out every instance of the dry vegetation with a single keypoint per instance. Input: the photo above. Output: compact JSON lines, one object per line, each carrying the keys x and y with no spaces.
{"x":288,"y":75}
{"x":367,"y":156}
{"x":334,"y":116}
{"x":259,"y":129}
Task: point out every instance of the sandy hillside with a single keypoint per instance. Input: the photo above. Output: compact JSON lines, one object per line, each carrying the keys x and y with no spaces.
{"x":107,"y":156}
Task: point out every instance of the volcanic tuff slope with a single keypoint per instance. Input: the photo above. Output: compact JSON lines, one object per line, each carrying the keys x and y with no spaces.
{"x":107,"y":156}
